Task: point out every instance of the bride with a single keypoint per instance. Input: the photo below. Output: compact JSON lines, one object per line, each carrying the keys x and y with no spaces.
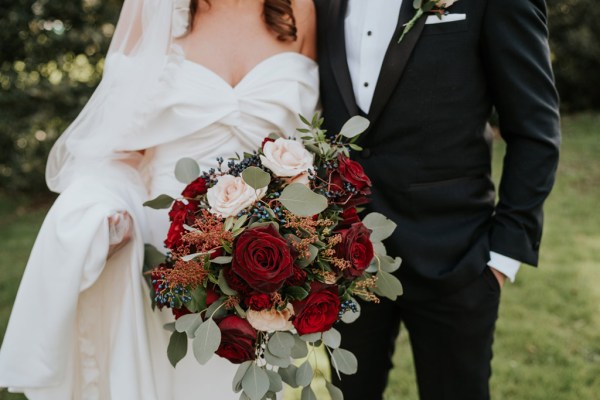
{"x":182,"y":78}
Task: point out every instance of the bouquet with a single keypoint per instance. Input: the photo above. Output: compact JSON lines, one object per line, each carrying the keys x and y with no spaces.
{"x":267,"y":253}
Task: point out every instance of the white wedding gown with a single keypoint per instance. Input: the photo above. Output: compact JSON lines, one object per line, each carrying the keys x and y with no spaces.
{"x":83,"y":328}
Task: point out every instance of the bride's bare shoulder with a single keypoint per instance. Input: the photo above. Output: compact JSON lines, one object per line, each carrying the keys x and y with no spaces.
{"x":306,"y":24}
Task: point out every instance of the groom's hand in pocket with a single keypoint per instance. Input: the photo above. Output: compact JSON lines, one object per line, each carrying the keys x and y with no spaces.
{"x":500,"y":277}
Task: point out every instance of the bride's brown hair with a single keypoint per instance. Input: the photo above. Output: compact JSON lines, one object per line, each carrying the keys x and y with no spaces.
{"x":278,"y":14}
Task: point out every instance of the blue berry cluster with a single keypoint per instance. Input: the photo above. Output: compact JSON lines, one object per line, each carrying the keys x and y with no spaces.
{"x":168,"y":297}
{"x":347,"y":305}
{"x":236,"y":169}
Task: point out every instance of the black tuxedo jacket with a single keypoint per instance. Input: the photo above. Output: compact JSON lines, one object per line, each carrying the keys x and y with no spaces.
{"x":427,"y":151}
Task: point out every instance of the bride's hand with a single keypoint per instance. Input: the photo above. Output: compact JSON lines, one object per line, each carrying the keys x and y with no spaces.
{"x":120,"y":227}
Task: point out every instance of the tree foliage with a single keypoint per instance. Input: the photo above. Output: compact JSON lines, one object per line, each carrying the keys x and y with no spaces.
{"x":574,"y":33}
{"x":51,"y":56}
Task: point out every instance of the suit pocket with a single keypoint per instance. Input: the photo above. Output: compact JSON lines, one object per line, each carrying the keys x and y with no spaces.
{"x":490,"y":279}
{"x":466,"y":196}
{"x":446,"y":28}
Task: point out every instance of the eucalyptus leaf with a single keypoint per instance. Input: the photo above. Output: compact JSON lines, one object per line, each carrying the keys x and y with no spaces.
{"x":381,"y":227}
{"x":177,"y":348}
{"x":169,"y":327}
{"x":379,"y":248}
{"x":207,"y":341}
{"x":188,"y":324}
{"x":244,"y":396}
{"x":388,"y":285}
{"x":308,"y":394}
{"x":334,"y":391}
{"x":280,"y":344}
{"x":224,"y":286}
{"x":300,"y":349}
{"x":389,"y":264}
{"x":355,"y":147}
{"x":152,"y":257}
{"x":215,"y":310}
{"x":312,"y":337}
{"x":302,"y":201}
{"x":275,"y":381}
{"x":304,"y":374}
{"x":344,"y":361}
{"x":288,"y":375}
{"x":190,"y":257}
{"x":354,"y":126}
{"x":187,"y":170}
{"x":221,"y":260}
{"x":332,"y":338}
{"x":373,"y":266}
{"x":240,"y":222}
{"x":228,"y":223}
{"x":255,"y":382}
{"x":160,"y":202}
{"x":239,"y":375}
{"x":197,"y":301}
{"x":282,"y":362}
{"x":256,"y":178}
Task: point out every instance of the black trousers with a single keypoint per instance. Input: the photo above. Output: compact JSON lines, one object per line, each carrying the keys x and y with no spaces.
{"x":451,"y":338}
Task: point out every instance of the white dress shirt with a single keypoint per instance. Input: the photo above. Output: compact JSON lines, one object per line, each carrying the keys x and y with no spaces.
{"x":369,"y":26}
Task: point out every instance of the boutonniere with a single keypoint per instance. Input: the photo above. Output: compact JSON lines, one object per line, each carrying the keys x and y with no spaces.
{"x":436,"y":7}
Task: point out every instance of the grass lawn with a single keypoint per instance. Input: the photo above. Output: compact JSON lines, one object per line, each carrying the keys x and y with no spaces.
{"x":548,"y":335}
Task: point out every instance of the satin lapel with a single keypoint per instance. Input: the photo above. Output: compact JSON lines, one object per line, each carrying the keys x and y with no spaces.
{"x":395,"y":60}
{"x":337,"y":53}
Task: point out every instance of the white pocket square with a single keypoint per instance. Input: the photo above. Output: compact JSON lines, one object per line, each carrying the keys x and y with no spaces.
{"x":434,"y":19}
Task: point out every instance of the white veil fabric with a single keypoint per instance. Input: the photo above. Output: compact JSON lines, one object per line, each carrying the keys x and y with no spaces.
{"x":134,"y":61}
{"x":79,"y":324}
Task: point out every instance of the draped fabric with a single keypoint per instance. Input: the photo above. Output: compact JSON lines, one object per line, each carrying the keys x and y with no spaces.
{"x":82,"y":327}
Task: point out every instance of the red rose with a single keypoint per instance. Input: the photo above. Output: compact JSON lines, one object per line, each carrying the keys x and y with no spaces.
{"x":298,"y":278}
{"x":259,"y":302}
{"x":317,"y":312}
{"x":353,"y":173}
{"x":355,"y":247}
{"x":195,"y":188}
{"x":181,"y":211}
{"x":236,"y":283}
{"x":349,"y":216}
{"x":349,"y":182}
{"x":238,"y":339}
{"x":180,"y":214}
{"x":262,"y":258}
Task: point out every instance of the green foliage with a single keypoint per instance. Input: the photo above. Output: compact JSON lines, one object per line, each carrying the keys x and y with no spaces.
{"x":574,"y":33}
{"x":51,"y":57}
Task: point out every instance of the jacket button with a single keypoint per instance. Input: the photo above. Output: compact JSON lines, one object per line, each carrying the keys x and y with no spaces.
{"x":365,"y":153}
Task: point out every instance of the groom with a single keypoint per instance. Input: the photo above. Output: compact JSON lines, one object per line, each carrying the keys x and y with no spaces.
{"x":427,"y":152}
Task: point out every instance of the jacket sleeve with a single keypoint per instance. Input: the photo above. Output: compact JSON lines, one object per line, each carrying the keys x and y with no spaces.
{"x":515,"y":52}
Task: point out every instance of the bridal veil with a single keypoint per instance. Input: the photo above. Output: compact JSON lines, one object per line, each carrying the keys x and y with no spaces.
{"x":78,"y":328}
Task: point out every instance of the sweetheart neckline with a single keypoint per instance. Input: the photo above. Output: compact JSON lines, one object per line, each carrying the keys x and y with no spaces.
{"x":250,"y":71}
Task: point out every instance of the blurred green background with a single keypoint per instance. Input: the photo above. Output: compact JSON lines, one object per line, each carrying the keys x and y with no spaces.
{"x":548,"y":336}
